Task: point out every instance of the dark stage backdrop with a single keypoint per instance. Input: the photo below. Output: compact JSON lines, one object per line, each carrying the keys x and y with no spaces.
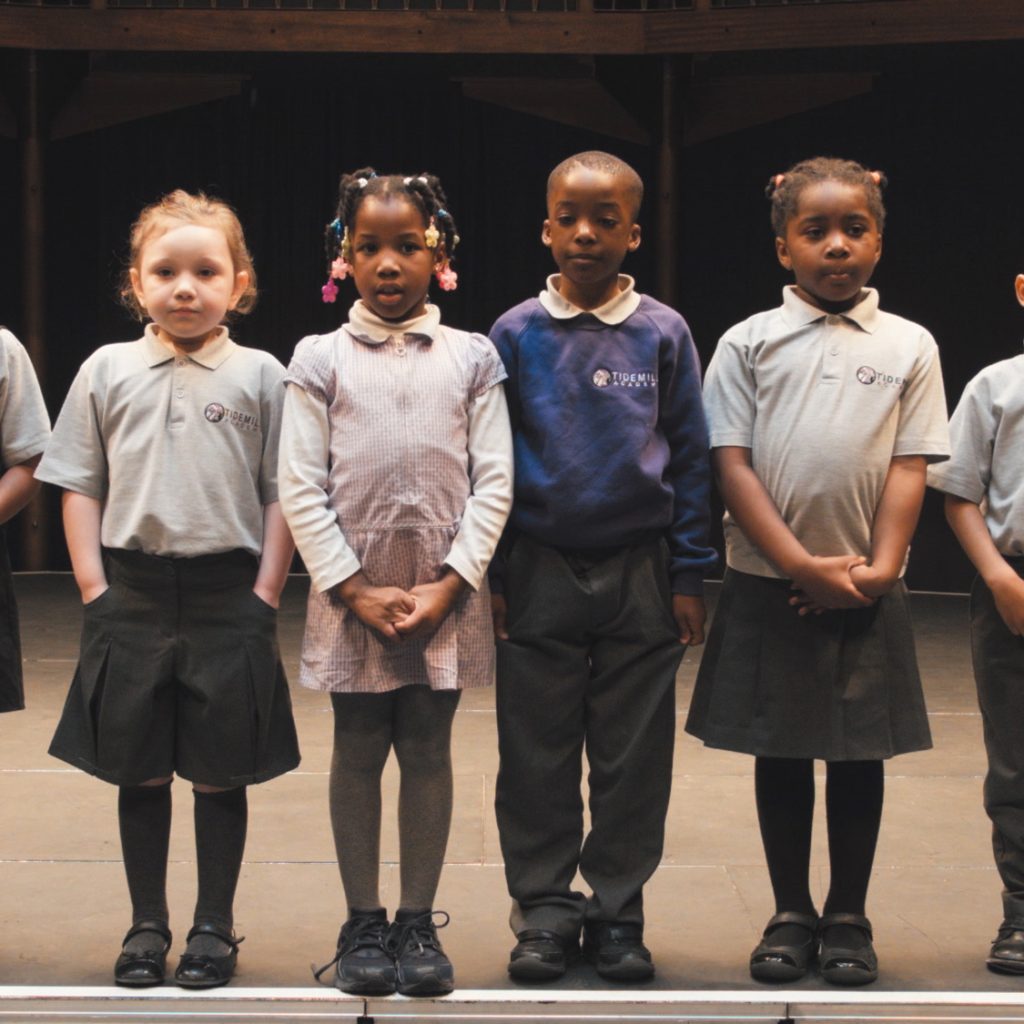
{"x":943,"y":130}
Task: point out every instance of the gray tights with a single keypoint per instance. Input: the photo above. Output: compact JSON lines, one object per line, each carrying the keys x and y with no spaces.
{"x":417,"y":722}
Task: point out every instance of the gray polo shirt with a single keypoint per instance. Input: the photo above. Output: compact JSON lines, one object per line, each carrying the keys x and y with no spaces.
{"x":987,"y":465}
{"x":24,"y":422}
{"x":180,"y":449}
{"x":824,"y":402}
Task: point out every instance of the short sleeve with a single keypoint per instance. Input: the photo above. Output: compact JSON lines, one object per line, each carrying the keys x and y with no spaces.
{"x":729,"y":394}
{"x":972,"y":434}
{"x":488,"y":368}
{"x":24,"y":421}
{"x":922,"y":427}
{"x":312,"y":367}
{"x":76,"y":457}
{"x":271,"y":405}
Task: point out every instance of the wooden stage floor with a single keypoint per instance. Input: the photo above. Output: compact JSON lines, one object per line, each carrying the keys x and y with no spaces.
{"x":63,"y":903}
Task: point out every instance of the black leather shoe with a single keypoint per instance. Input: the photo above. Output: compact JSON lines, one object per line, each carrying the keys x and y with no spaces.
{"x":540,"y":955}
{"x":775,"y":960}
{"x":617,"y":951}
{"x":841,"y":965}
{"x":1007,"y":953}
{"x":202,"y":970}
{"x":138,"y":970}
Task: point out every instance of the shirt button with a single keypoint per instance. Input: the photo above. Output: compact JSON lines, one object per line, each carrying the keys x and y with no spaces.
{"x":833,"y":320}
{"x":179,"y":362}
{"x":180,"y":393}
{"x":835,"y":351}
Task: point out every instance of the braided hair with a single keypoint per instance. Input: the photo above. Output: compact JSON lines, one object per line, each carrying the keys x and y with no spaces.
{"x":784,"y":190}
{"x":424,"y":191}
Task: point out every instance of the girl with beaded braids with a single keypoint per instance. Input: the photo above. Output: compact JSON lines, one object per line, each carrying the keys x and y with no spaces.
{"x":823,"y":415}
{"x":396,"y":478}
{"x":423,"y":191}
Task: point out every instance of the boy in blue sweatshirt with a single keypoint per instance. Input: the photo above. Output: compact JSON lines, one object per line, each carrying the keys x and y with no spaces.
{"x":599,"y":587}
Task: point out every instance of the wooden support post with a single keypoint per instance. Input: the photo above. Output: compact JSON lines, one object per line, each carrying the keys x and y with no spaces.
{"x":667,"y":212}
{"x":32,"y":135}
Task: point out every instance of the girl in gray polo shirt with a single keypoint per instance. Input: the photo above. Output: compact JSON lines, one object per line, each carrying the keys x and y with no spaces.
{"x":166,"y":448}
{"x":823,"y":414}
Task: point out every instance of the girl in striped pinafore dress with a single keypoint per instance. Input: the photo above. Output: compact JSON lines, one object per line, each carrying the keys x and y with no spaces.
{"x":396,"y":480}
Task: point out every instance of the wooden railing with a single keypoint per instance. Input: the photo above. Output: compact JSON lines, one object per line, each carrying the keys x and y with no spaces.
{"x":428,"y":5}
{"x":589,"y":27}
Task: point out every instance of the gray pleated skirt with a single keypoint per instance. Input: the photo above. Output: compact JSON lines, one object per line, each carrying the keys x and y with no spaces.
{"x":841,"y":686}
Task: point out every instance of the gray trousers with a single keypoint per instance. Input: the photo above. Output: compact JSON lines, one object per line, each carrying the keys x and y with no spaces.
{"x":999,"y":673}
{"x":590,"y":663}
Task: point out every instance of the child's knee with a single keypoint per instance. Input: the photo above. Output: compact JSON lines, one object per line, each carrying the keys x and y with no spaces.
{"x":424,"y":752}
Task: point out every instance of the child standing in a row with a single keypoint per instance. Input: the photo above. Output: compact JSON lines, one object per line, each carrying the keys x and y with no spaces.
{"x":601,"y":583}
{"x":24,"y":433}
{"x":984,"y":491}
{"x":823,"y":415}
{"x":166,"y":448}
{"x":396,"y":481}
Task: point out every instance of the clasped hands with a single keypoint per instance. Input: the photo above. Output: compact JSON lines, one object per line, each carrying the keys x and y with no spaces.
{"x":829,"y":582}
{"x":396,"y":613}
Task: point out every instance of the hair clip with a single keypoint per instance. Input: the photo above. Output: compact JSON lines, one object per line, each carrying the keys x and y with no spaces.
{"x":455,"y":241}
{"x":778,"y":180}
{"x":446,"y":277}
{"x":876,"y":177}
{"x":335,"y":226}
{"x":362,"y":182}
{"x":340,"y":267}
{"x":431,"y":235}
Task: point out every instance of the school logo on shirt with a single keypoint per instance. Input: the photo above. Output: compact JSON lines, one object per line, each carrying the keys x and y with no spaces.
{"x":215,"y":412}
{"x":604,"y":378}
{"x":869,"y":375}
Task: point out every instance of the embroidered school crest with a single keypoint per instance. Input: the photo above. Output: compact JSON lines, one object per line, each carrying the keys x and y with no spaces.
{"x":215,"y":413}
{"x":869,"y":375}
{"x":605,"y":378}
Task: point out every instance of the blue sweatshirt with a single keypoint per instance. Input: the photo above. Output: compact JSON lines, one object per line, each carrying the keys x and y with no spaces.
{"x":610,"y":439}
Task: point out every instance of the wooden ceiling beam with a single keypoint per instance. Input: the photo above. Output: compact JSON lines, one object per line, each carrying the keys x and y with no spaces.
{"x":699,"y":31}
{"x":880,"y":23}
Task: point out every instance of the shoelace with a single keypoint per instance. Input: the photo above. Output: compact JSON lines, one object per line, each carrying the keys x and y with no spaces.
{"x":421,"y":930}
{"x":368,"y":931}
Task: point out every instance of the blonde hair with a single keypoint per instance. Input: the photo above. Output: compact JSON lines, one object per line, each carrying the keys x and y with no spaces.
{"x":173,"y":210}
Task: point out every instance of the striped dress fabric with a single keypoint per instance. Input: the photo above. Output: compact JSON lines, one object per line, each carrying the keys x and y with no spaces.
{"x":398,"y":481}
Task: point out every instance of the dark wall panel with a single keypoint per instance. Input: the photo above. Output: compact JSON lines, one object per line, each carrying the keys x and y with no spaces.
{"x":943,"y":133}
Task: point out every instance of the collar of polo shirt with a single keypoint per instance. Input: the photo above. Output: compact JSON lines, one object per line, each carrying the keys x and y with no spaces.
{"x":365,"y":325}
{"x":798,"y":313}
{"x":613,"y":312}
{"x":211,"y":355}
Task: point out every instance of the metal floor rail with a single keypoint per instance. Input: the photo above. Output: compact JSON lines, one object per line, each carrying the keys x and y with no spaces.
{"x":58,"y":1004}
